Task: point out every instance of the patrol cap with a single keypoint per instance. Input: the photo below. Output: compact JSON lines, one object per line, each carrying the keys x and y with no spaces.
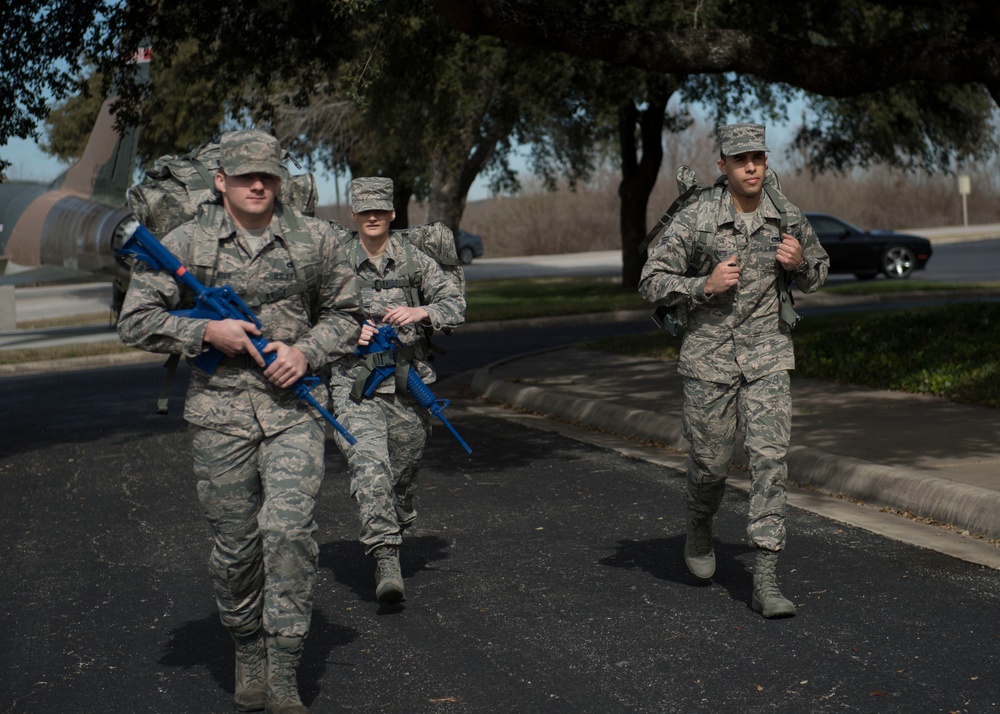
{"x":249,"y":152}
{"x":371,"y":193}
{"x":741,"y":138}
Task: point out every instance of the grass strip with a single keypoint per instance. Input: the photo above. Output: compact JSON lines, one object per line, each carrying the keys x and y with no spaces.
{"x":948,"y":351}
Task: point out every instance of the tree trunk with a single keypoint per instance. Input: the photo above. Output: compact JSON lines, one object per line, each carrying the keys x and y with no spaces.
{"x":455,"y":169}
{"x":639,"y":173}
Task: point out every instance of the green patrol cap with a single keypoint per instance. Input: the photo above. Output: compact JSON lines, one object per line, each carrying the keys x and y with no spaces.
{"x":249,"y":152}
{"x":371,"y":193}
{"x":740,"y":138}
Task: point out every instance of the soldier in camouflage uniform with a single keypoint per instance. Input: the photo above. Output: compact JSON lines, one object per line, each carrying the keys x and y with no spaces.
{"x":258,"y":450}
{"x":737,"y":352}
{"x":390,"y":427}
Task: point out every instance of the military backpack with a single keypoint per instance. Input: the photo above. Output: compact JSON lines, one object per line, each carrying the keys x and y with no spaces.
{"x":179,"y":188}
{"x":673,"y":319}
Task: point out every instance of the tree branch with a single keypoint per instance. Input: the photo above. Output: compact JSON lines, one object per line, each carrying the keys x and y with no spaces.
{"x":967,"y":53}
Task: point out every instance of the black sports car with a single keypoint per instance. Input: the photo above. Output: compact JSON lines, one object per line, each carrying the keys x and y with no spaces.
{"x":868,"y":253}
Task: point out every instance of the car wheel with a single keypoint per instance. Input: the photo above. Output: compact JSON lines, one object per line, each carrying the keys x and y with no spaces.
{"x":466,"y":255}
{"x":898,"y":261}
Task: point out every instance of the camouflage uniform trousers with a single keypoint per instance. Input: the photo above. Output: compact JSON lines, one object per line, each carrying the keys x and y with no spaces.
{"x":712,"y":412}
{"x":258,"y":496}
{"x":391,"y":430}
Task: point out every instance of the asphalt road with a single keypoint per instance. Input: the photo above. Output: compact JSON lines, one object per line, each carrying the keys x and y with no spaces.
{"x":545,"y":576}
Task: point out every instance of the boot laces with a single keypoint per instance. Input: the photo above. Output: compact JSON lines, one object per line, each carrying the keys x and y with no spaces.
{"x":252,"y":658}
{"x":701,"y":536}
{"x":283,"y":682}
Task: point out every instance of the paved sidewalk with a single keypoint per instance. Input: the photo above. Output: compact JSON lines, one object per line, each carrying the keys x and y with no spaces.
{"x":920,"y":454}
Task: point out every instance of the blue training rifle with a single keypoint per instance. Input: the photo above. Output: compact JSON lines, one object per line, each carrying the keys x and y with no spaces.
{"x":215,"y":304}
{"x":386,"y":340}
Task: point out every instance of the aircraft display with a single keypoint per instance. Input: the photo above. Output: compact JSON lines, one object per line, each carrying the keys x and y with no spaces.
{"x":69,"y":230}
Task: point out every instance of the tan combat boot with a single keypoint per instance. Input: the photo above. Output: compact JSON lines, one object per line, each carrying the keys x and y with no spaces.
{"x":283,"y":657}
{"x":698,"y":553}
{"x":388,"y":578}
{"x":250,"y":694}
{"x":767,"y":600}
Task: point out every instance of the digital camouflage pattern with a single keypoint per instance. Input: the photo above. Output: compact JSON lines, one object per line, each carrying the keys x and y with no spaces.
{"x":371,"y":193}
{"x":250,"y":530}
{"x":739,"y":332}
{"x":440,"y":296}
{"x":249,"y":152}
{"x":740,"y":138}
{"x":258,"y":450}
{"x":391,"y":431}
{"x":712,"y":412}
{"x":736,"y":350}
{"x":234,"y":400}
{"x":175,"y":186}
{"x":390,"y":428}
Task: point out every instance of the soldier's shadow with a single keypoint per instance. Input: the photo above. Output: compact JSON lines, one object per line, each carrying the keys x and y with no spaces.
{"x":663,"y":558}
{"x":205,"y":643}
{"x":350,"y":566}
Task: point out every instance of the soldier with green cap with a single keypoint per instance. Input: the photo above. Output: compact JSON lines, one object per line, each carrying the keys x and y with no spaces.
{"x":258,"y":450}
{"x":390,"y":427}
{"x":737,"y":351}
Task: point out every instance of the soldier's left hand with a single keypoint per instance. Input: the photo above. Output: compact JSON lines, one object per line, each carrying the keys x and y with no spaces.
{"x":402,"y":315}
{"x":289,"y":366}
{"x":789,"y":252}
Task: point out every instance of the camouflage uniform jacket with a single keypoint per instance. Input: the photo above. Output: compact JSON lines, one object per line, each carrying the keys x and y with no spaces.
{"x":443,"y":300}
{"x":230,"y":399}
{"x":738,"y":332}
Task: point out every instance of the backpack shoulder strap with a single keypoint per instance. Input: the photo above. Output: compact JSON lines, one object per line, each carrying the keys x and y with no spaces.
{"x":785,"y":299}
{"x":203,"y":251}
{"x":706,"y":229}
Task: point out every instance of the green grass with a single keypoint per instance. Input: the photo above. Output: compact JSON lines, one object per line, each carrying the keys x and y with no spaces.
{"x":83,"y":349}
{"x":881,"y":287}
{"x":546,"y":297}
{"x":949,"y":351}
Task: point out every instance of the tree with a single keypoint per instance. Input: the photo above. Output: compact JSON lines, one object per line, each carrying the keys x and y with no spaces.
{"x":911,"y":83}
{"x":44,"y":42}
{"x":180,"y":113}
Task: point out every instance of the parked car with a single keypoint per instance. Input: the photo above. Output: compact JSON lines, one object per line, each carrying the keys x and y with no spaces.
{"x":868,"y":253}
{"x":470,"y":245}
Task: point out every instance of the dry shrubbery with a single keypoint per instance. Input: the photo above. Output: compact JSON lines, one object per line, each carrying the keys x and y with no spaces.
{"x":537,"y":222}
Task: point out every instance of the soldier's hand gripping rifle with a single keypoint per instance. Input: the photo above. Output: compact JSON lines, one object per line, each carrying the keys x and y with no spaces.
{"x":215,"y":304}
{"x":386,"y":340}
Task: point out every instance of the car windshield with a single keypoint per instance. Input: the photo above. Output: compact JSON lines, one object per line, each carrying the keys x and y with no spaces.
{"x":828,"y":225}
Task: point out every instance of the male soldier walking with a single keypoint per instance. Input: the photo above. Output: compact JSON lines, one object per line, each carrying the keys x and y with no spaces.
{"x":737,"y":351}
{"x":390,"y":427}
{"x":258,"y":450}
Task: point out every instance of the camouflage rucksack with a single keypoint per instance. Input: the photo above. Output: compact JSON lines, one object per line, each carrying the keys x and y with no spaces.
{"x":435,"y":240}
{"x":171,"y":191}
{"x":178,"y":189}
{"x":674,"y":319}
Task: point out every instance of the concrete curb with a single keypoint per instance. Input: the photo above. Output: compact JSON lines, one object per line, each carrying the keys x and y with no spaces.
{"x":965,"y":507}
{"x":77,"y":363}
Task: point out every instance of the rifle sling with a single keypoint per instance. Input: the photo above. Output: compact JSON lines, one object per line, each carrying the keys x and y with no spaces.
{"x":370,"y":362}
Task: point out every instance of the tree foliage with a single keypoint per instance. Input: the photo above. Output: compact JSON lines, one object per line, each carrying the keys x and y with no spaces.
{"x":927,"y":67}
